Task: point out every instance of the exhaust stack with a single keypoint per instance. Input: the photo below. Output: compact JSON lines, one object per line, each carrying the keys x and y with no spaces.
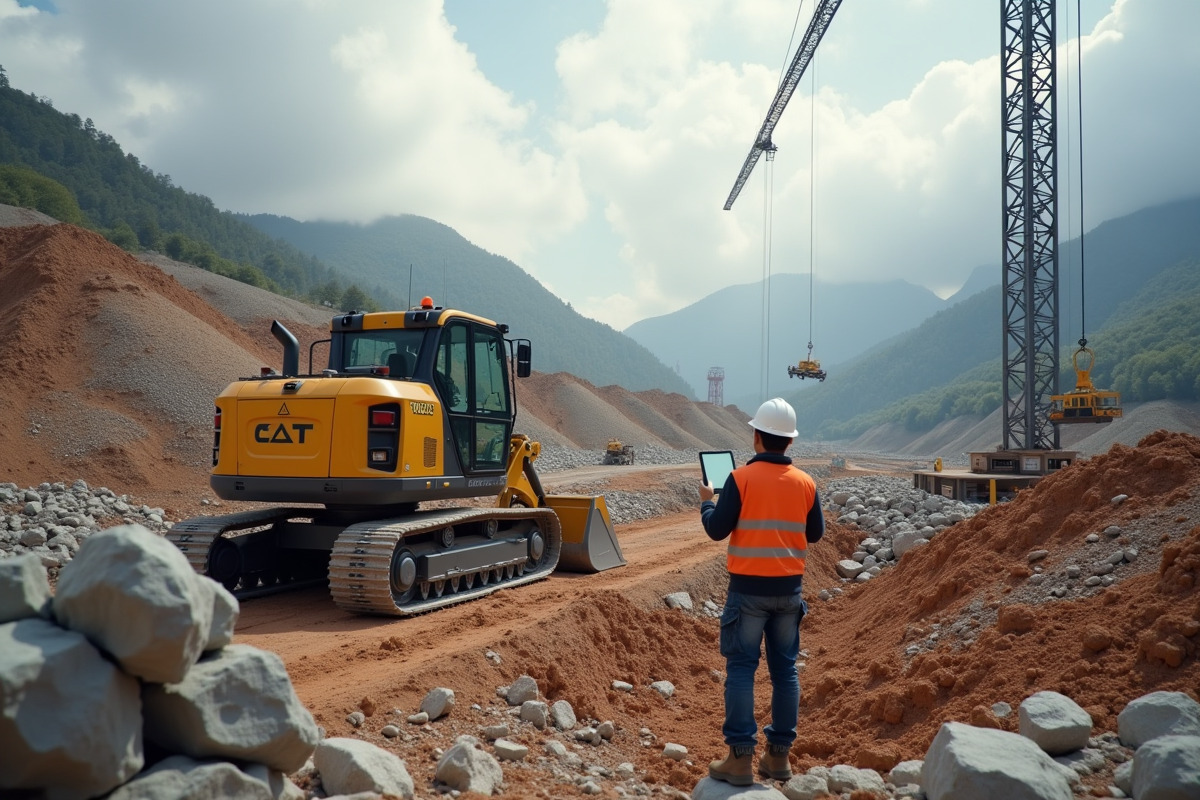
{"x":291,"y":348}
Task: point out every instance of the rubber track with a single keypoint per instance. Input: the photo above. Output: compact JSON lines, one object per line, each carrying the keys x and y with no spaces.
{"x":195,"y":537}
{"x":360,"y":565}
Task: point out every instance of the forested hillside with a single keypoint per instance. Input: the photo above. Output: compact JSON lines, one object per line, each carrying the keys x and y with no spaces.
{"x":136,"y":208}
{"x":65,"y":167}
{"x":1148,"y":350}
{"x":436,"y":261}
{"x":1143,"y":304}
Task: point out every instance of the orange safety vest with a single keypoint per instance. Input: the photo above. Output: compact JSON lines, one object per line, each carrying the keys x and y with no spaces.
{"x":769,"y":539}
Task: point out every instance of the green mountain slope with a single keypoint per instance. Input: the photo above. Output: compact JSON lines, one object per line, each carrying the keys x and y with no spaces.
{"x":724,"y":328}
{"x":1142,"y":274}
{"x":456,"y":273}
{"x":1151,"y":348}
{"x":137,"y":208}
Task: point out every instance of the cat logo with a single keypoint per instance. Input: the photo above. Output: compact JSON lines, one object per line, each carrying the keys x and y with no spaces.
{"x":264,"y":434}
{"x":422,"y":409}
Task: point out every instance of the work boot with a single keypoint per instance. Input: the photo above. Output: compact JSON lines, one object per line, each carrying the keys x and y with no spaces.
{"x":736,"y":768}
{"x":774,"y":763}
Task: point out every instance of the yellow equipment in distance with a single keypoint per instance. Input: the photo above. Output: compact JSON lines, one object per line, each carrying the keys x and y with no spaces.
{"x":1084,"y":403}
{"x":618,"y":452}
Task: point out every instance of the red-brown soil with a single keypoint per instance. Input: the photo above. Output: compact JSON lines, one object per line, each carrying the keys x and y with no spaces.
{"x":865,"y":702}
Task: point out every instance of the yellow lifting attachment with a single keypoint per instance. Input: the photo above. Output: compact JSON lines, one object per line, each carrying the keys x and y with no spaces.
{"x":807,"y":368}
{"x":1084,"y":403}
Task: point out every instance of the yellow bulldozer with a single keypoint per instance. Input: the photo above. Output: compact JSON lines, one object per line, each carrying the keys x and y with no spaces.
{"x":415,"y":407}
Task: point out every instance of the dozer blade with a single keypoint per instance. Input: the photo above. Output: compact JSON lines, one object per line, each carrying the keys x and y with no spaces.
{"x":589,"y":543}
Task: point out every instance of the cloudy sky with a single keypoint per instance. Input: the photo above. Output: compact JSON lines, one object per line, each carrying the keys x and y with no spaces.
{"x":594,"y":142}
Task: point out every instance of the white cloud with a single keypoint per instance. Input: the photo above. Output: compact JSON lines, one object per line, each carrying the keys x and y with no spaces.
{"x":609,"y":187}
{"x":911,"y":190}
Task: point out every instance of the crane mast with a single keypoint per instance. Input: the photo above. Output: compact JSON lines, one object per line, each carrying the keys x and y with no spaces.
{"x":822,"y":16}
{"x":1030,"y":223}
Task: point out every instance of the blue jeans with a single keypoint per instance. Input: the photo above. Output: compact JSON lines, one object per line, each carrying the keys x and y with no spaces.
{"x":746,"y":621}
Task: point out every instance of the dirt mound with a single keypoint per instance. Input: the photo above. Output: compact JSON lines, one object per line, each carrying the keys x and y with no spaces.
{"x":106,"y":357}
{"x":113,"y":363}
{"x":866,"y":701}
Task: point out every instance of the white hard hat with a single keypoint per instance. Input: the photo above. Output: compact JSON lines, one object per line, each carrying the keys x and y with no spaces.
{"x":777,"y":417}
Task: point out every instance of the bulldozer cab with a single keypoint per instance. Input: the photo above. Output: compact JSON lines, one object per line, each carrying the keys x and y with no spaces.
{"x":462,"y":357}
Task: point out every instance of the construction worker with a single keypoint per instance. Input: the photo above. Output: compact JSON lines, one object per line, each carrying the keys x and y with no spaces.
{"x":770,"y":511}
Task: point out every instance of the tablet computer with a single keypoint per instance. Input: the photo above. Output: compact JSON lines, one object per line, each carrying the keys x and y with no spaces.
{"x":715,"y":466}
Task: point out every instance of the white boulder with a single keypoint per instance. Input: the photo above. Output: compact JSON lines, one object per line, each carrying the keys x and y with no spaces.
{"x":438,"y":702}
{"x":535,"y":713}
{"x":238,"y":703}
{"x":563,"y":715}
{"x":709,"y":789}
{"x":1158,"y":714}
{"x":24,"y":588}
{"x":180,"y":776}
{"x":965,"y":761}
{"x":70,"y":721}
{"x":1167,"y":768}
{"x":1055,"y":722}
{"x":468,"y":769}
{"x":134,"y":595}
{"x":225,"y":610}
{"x":522,"y":689}
{"x":349,"y":766}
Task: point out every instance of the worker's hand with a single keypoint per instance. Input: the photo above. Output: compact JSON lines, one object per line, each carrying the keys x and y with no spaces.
{"x":706,"y":492}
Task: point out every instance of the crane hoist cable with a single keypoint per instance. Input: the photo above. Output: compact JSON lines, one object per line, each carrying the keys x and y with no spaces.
{"x":768,"y":233}
{"x":768,"y":211}
{"x":1084,"y":403}
{"x":809,"y":367}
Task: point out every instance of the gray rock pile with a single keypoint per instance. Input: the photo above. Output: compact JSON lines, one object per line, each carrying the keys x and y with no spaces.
{"x":1155,"y":755}
{"x":52,"y":520}
{"x":125,"y":683}
{"x":896,"y":517}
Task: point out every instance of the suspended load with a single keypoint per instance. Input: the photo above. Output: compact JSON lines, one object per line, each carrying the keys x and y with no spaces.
{"x":1084,"y":403}
{"x":807,"y":368}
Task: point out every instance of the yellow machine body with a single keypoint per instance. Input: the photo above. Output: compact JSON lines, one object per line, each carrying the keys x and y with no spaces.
{"x":414,"y":407}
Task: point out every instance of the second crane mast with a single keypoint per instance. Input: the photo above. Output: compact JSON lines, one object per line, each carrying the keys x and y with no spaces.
{"x":1029,"y":223}
{"x":822,"y":16}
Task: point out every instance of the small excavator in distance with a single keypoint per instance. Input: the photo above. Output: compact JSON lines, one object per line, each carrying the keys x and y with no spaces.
{"x":415,"y":407}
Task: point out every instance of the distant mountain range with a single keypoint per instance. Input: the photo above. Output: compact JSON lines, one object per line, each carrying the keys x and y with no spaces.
{"x":725,"y":329}
{"x":881,"y":342}
{"x":950,"y":364}
{"x":891,"y":349}
{"x":413,"y":256}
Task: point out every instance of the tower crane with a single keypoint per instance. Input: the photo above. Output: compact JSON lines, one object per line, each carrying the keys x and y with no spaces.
{"x":1029,"y":221}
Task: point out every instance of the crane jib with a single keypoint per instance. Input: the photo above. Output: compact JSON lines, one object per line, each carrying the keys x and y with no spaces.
{"x":821,"y":18}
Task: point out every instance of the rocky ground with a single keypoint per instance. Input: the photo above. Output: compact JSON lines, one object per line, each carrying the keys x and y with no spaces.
{"x":1084,"y":587}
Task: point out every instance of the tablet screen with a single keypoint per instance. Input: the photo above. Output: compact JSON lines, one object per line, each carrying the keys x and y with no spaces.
{"x":715,"y":466}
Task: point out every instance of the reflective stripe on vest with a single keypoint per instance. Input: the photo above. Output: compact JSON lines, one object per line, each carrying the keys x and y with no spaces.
{"x":769,"y":538}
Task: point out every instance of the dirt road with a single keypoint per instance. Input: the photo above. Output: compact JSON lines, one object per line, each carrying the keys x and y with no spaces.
{"x":336,"y":658}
